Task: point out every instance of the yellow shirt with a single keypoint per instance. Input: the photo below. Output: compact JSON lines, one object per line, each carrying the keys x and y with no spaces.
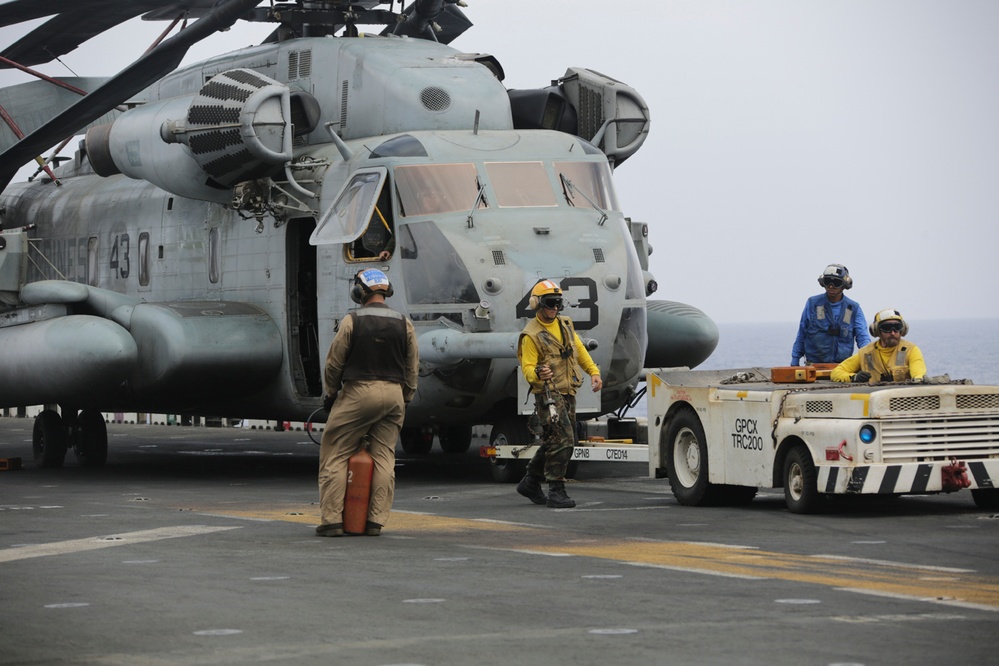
{"x":884,"y":358}
{"x":529,"y":353}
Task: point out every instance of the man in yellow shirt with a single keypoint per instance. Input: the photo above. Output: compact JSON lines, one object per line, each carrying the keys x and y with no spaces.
{"x":890,"y":358}
{"x":551,"y":356}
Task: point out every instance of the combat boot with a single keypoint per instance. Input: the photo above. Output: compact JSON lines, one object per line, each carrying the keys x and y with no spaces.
{"x":530,"y":488}
{"x":557,"y":499}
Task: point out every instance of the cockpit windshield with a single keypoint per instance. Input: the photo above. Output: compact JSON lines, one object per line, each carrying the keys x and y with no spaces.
{"x":431,"y":189}
{"x":591,"y":185}
{"x":520,"y":184}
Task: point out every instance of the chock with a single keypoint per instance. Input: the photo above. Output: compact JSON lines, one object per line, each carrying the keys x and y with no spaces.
{"x":9,"y":464}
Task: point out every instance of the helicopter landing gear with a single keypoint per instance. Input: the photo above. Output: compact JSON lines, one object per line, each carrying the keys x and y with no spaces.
{"x":455,"y":438}
{"x":90,"y":440}
{"x":48,"y":439}
{"x":417,"y":441}
{"x":509,"y":431}
{"x":53,"y":435}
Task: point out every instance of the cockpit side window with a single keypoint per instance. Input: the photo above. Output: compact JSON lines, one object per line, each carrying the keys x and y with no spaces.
{"x":377,"y":241}
{"x":431,"y":189}
{"x":520,"y":184}
{"x":591,"y":185}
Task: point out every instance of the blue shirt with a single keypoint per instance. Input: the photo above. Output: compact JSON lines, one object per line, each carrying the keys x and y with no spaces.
{"x":823,"y":336}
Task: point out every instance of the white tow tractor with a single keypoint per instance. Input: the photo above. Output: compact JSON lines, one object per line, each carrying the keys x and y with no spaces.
{"x":719,"y":436}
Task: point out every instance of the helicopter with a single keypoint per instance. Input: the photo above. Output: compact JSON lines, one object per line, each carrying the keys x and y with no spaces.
{"x":194,"y":255}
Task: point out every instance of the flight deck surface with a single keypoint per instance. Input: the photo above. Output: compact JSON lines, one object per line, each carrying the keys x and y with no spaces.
{"x":196,"y":546}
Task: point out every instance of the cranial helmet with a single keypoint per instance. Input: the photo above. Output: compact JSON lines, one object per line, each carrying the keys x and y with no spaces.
{"x":543,"y":291}
{"x":368,"y":282}
{"x":836,"y":271}
{"x":887,"y":315}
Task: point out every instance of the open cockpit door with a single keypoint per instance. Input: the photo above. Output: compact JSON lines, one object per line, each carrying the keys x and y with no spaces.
{"x":347,"y":218}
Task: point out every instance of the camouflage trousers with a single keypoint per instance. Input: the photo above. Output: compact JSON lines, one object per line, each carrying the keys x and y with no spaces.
{"x":558,"y":437}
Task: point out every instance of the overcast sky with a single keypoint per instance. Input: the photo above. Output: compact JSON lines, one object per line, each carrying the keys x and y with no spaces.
{"x":785,"y":135}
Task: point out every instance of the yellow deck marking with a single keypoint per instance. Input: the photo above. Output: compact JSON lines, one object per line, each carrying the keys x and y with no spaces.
{"x":956,"y":586}
{"x":875,"y":577}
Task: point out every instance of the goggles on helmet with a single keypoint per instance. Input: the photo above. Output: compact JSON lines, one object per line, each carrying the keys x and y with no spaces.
{"x":832,"y":282}
{"x":551,"y":301}
{"x":893,"y":325}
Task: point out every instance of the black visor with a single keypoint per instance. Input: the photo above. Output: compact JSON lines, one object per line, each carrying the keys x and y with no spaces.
{"x":551,"y":301}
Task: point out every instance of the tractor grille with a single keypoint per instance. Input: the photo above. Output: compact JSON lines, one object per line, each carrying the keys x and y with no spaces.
{"x":977,"y":401}
{"x":940,"y":438}
{"x":914,"y":403}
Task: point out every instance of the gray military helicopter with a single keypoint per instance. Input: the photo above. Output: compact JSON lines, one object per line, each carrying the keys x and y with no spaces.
{"x":194,"y":256}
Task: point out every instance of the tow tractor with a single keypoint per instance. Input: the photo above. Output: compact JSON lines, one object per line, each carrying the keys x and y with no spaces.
{"x":721,"y":435}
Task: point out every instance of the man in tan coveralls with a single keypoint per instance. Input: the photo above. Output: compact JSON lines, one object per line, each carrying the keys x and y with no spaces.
{"x":370,"y":375}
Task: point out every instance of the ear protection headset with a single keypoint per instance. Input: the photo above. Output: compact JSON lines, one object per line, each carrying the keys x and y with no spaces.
{"x":367,"y":282}
{"x":886,"y":315}
{"x":543,"y":288}
{"x":837,"y":271}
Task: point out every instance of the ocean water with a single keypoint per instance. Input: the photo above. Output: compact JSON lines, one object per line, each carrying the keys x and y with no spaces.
{"x":963,"y":349}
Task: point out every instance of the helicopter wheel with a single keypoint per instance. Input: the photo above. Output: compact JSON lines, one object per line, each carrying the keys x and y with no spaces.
{"x":416,"y":442}
{"x":48,"y":439}
{"x":91,"y":441}
{"x":511,"y":431}
{"x":456,"y":438}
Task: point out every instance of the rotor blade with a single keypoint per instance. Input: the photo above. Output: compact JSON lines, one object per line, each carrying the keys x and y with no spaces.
{"x":66,"y":31}
{"x":18,"y":11}
{"x":134,"y":78}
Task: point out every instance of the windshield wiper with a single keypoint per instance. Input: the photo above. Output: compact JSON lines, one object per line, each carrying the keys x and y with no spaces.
{"x":571,"y":192}
{"x":478,"y":198}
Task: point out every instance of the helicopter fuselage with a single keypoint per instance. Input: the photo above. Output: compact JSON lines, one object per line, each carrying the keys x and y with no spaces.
{"x":232,"y":307}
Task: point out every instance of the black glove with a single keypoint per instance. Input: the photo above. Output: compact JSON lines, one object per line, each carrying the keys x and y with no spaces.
{"x":861,"y":377}
{"x":328,"y":401}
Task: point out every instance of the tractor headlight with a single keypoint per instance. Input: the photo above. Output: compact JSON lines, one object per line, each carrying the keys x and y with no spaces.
{"x":868,"y":433}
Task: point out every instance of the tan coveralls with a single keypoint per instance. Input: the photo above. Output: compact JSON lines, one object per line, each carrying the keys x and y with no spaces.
{"x":374,"y":356}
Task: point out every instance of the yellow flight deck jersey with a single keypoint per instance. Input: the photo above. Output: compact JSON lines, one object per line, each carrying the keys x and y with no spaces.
{"x":904,"y":361}
{"x":541,"y":343}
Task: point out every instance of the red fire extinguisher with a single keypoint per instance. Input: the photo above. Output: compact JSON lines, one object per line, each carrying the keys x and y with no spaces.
{"x":360,"y":469}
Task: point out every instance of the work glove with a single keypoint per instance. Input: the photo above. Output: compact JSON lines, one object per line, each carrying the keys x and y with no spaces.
{"x":861,"y":377}
{"x":328,"y":401}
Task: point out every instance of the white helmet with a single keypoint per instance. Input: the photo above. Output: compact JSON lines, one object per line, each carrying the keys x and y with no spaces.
{"x":836,"y":272}
{"x":368,"y":282}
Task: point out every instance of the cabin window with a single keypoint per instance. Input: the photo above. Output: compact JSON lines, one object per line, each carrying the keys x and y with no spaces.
{"x":92,"y":261}
{"x":520,"y":184}
{"x":144,"y":259}
{"x":587,"y":185}
{"x":214,"y":255}
{"x":432,"y":189}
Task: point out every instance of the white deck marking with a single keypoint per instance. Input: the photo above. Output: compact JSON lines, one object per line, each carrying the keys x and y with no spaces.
{"x":95,"y":543}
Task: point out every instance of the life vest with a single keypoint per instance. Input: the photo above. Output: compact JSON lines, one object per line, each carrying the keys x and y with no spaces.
{"x":560,"y":355}
{"x":871,"y":361}
{"x":826,"y":340}
{"x":378,"y":345}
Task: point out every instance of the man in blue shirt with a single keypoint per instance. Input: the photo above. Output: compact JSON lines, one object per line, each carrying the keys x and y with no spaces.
{"x":830,"y":322}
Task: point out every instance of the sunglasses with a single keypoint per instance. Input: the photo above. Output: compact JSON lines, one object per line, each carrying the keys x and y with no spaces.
{"x":891,"y":326}
{"x":832,"y":282}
